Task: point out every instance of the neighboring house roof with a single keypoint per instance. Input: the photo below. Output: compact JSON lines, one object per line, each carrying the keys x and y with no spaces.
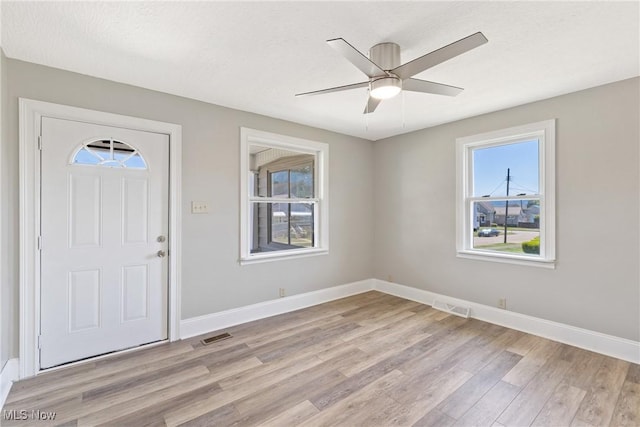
{"x":513,"y":210}
{"x":533,"y":209}
{"x":485,"y":207}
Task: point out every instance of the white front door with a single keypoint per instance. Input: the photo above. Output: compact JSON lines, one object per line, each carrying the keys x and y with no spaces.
{"x":104,"y":227}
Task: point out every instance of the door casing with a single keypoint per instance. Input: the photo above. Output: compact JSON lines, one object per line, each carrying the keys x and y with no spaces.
{"x":30,"y":114}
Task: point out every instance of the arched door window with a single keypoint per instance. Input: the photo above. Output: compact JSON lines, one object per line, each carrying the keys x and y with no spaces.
{"x":109,"y":153}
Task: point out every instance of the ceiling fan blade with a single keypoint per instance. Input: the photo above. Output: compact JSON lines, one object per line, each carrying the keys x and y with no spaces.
{"x":354,"y":56}
{"x":335,"y":89}
{"x":416,"y":85}
{"x":436,"y":57}
{"x":372,"y":103}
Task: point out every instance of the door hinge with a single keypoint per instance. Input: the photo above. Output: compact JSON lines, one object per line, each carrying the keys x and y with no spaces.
{"x":39,"y":243}
{"x":39,"y":342}
{"x":40,"y":142}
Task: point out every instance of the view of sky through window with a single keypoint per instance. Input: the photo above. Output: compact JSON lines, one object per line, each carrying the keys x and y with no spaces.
{"x":490,"y":169}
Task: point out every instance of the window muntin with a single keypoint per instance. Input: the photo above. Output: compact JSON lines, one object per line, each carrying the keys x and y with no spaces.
{"x":284,"y":203}
{"x":108,"y":153}
{"x":506,"y":198}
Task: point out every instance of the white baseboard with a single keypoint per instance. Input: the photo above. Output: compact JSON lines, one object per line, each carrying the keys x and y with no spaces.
{"x":609,"y":345}
{"x":224,"y":319}
{"x":9,"y":374}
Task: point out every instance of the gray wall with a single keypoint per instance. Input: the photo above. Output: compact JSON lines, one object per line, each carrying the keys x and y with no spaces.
{"x":212,"y":279}
{"x":596,"y":283}
{"x":8,"y":260}
{"x":4,"y":334}
{"x":409,"y":236}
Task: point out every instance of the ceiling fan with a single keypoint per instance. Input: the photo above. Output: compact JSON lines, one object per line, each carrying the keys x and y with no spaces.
{"x":387,"y":77}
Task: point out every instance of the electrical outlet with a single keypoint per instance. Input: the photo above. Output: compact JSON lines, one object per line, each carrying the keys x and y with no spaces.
{"x":502,"y":303}
{"x":199,"y":207}
{"x":281,"y":292}
{"x":390,"y":278}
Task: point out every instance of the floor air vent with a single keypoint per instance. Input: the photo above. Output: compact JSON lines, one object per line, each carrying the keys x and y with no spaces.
{"x":451,"y":308}
{"x":215,"y":338}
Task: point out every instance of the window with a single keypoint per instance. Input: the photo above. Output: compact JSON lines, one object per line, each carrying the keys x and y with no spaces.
{"x":108,"y":153}
{"x":506,"y":195}
{"x":284,"y":204}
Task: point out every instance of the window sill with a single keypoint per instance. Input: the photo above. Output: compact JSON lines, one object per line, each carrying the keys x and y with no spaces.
{"x":507,"y":259}
{"x":281,"y":255}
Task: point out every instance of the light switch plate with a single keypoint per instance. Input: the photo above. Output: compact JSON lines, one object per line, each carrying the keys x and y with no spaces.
{"x":199,"y":207}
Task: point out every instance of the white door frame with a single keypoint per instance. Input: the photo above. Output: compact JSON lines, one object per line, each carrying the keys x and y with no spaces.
{"x":30,"y":113}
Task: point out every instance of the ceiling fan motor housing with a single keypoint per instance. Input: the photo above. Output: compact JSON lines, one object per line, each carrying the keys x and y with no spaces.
{"x":385,"y":55}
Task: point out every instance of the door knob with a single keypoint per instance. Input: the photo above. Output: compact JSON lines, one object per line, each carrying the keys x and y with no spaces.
{"x":161,"y":254}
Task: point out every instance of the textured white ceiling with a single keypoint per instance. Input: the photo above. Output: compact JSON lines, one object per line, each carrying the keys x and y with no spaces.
{"x":255,"y":56}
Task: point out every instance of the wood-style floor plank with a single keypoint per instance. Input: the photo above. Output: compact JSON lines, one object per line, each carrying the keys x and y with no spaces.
{"x":487,"y":410}
{"x":461,"y":400}
{"x":598,"y":405}
{"x":293,"y":416}
{"x":561,"y":406}
{"x":435,"y":418}
{"x":533,"y":360}
{"x":371,"y":360}
{"x":634,"y":374}
{"x":371,"y":395}
{"x":526,"y":406}
{"x":626,"y":410}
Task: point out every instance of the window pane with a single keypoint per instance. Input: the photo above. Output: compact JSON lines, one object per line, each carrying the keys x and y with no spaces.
{"x":522,"y":226}
{"x":109,"y":153}
{"x":302,"y":182}
{"x":490,"y":167}
{"x":84,"y":157}
{"x":282,"y":226}
{"x":280,"y":184}
{"x":302,"y":224}
{"x":135,"y":162}
{"x":280,"y":223}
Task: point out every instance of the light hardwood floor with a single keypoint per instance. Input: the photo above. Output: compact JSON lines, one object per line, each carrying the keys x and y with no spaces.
{"x":366,"y":360}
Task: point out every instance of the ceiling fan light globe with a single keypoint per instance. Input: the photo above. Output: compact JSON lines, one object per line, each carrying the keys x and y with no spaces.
{"x":385,"y":88}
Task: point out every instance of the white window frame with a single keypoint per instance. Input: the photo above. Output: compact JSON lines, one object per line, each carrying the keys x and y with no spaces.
{"x":320,"y":150}
{"x":545,"y":133}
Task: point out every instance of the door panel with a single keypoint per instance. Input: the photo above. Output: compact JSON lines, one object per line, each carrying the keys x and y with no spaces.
{"x":103,"y":287}
{"x":135,"y":201}
{"x":84,"y":221}
{"x":84,"y":300}
{"x":135,"y":292}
